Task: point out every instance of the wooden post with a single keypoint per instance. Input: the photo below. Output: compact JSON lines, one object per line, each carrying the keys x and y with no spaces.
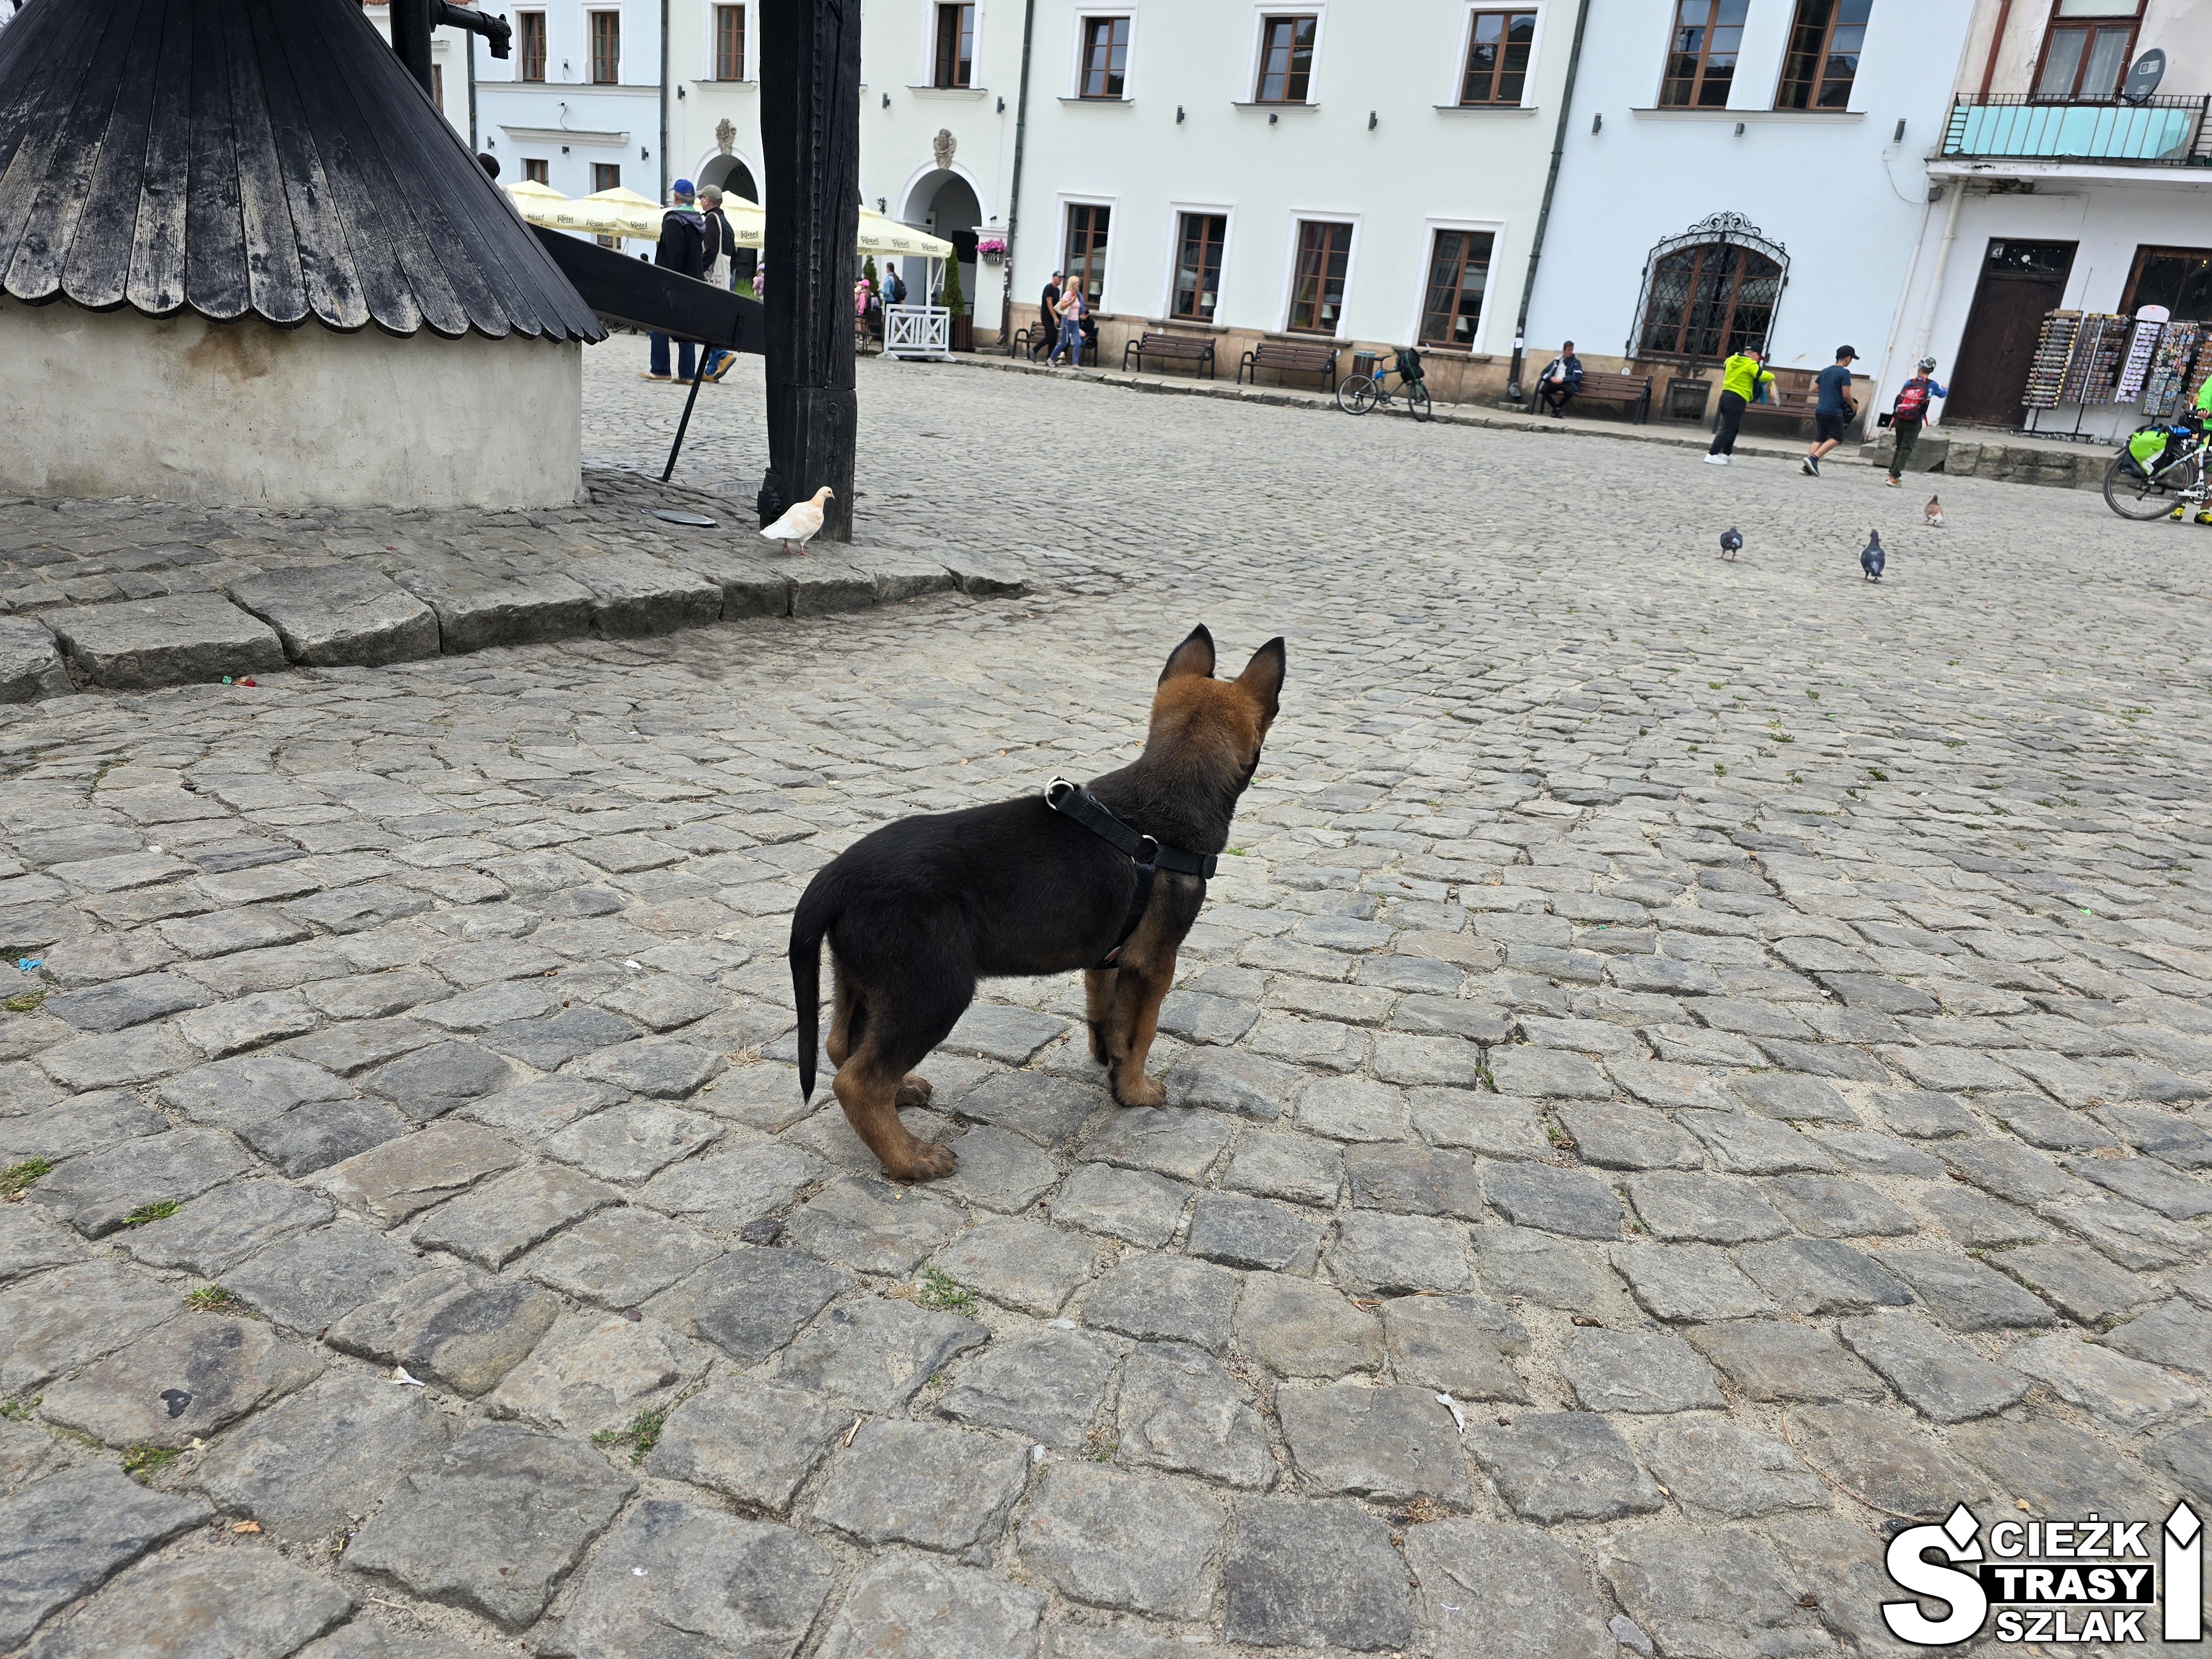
{"x":810,"y":83}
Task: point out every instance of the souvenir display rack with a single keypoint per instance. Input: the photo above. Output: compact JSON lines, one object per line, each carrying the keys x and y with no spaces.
{"x":2171,"y":360}
{"x":2054,"y":349}
{"x":2134,"y":365}
{"x":2093,"y":372}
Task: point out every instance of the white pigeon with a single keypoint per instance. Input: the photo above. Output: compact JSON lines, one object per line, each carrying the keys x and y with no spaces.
{"x":800,"y":526}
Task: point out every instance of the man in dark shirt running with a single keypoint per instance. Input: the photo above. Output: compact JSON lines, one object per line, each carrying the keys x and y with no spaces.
{"x":1834,"y":410}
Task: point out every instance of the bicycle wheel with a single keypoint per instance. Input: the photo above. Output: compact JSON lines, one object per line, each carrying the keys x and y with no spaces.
{"x":1356,"y":395}
{"x":2132,"y":496}
{"x":1416,"y":399}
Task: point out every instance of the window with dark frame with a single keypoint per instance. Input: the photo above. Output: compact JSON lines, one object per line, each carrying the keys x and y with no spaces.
{"x":533,"y":170}
{"x":2087,"y":49}
{"x":438,"y":85}
{"x":729,"y":43}
{"x":1198,"y":266}
{"x":1086,"y":247}
{"x":1105,"y":58}
{"x":606,"y":175}
{"x":1498,"y":58}
{"x":1286,"y":49}
{"x":1701,"y":52}
{"x":1708,"y":301}
{"x":956,"y":46}
{"x":2179,"y":278}
{"x":529,"y":55}
{"x":1823,"y":59}
{"x":607,"y":48}
{"x":1317,"y":292}
{"x":1459,"y":276}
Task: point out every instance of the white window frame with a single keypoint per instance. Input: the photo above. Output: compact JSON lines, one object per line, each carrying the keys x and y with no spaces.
{"x":1085,"y":14}
{"x":1298,"y":216}
{"x":515,"y":70}
{"x":926,"y":79}
{"x":1466,"y":44}
{"x":1257,"y":47}
{"x":1176,"y":210}
{"x":622,"y":42}
{"x":1074,"y":198}
{"x":750,"y":67}
{"x":1429,"y":226}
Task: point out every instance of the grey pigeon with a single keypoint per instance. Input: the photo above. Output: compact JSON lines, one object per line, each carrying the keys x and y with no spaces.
{"x":1871,"y":557}
{"x":1731,"y":544}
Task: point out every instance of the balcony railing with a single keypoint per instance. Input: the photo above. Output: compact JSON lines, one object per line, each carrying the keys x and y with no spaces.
{"x":2159,"y":131}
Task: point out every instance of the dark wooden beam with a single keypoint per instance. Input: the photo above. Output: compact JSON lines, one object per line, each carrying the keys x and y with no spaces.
{"x":410,"y":37}
{"x":809,"y":85}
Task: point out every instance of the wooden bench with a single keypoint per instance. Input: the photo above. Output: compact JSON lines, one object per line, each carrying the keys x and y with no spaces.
{"x":1633,"y":390}
{"x":1187,"y":348}
{"x":1288,"y":357}
{"x":1032,"y":338}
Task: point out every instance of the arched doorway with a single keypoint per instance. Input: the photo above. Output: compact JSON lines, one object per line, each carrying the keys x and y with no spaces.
{"x":944,"y":203}
{"x":732,"y":177}
{"x":1710,"y":292}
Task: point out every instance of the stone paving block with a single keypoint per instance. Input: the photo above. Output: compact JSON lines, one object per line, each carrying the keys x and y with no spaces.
{"x":177,"y":640}
{"x":1564,"y":1466}
{"x":1720,"y":1470}
{"x":1179,"y":1410}
{"x":871,"y":1226}
{"x":1142,"y":1543}
{"x":1941,"y":1377}
{"x":1315,"y":1576}
{"x":1551,"y":1273}
{"x":2148,"y":1182}
{"x":94,"y":1192}
{"x":1658,"y":1083}
{"x":1165,"y":1298}
{"x":2054,"y":1468}
{"x":1414,"y":1179}
{"x":1496,"y":1126}
{"x":2173,"y":1333}
{"x":84,"y":1123}
{"x":494,"y":1524}
{"x":1239,"y":1084}
{"x":1000,"y":1170}
{"x":1688,"y":1283}
{"x":219,"y":1229}
{"x":1548,"y":1074}
{"x":632,"y":1143}
{"x":2124,"y":1394}
{"x":2008,"y":1171}
{"x":1020,"y":1264}
{"x":1743,"y":1145}
{"x":1964,"y":1294}
{"x":1818,"y":1275}
{"x":903,"y":1602}
{"x":313,"y":1279}
{"x":1352,"y":1109}
{"x":2077,"y":1281}
{"x":121,"y":1003}
{"x":305,"y":1466}
{"x":1181,"y":1143}
{"x":1491,"y":1591}
{"x":1197,"y":1018}
{"x":1035,"y":1105}
{"x":1828,"y":1207}
{"x":1304,"y":1329}
{"x":1393,"y":1255}
{"x":1628,"y":1138}
{"x":1769,"y":1359}
{"x":531,"y":1111}
{"x":66,"y":1535}
{"x":1703,"y":1209}
{"x":875,"y":1355}
{"x":451,"y":1327}
{"x":432,"y":1081}
{"x":30,"y":661}
{"x":319,"y":1134}
{"x":751,"y":1302}
{"x":995,"y":1031}
{"x":498,"y":1221}
{"x":951,"y":1490}
{"x":2185,"y":1456}
{"x":29,"y":1241}
{"x":636,"y":596}
{"x":1725,"y":1594}
{"x":476,"y":608}
{"x":749,"y":1440}
{"x":618,"y":1257}
{"x":1638,"y":1372}
{"x":1979,"y":1222}
{"x":1387,"y":1444}
{"x":244,"y":1604}
{"x":1457,"y":1344}
{"x":1046,"y":1385}
{"x":327,"y":615}
{"x":249,"y":1088}
{"x":1876,"y":1458}
{"x":1554,"y":1201}
{"x":1251,"y":1232}
{"x":190,"y":1377}
{"x":394,"y":1181}
{"x":1126,"y":1204}
{"x":1275,"y":1165}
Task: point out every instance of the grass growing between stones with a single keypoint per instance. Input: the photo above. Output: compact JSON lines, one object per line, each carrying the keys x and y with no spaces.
{"x":160,"y":1210}
{"x":26,"y":1002}
{"x":142,"y":1462}
{"x":643,"y":1435}
{"x":215,"y":1299}
{"x":17,"y":1176}
{"x":19,"y":1410}
{"x":939,"y":1289}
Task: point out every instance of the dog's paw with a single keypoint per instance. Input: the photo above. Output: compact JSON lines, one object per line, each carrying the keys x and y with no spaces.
{"x":1135,"y":1088}
{"x":914,"y":1090}
{"x":924,"y":1161}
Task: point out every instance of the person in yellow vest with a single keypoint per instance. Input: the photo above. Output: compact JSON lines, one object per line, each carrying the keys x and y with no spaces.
{"x":1741,"y":377}
{"x":2204,"y":421}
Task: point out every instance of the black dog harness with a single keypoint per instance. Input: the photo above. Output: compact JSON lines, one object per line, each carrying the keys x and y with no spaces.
{"x":1072,"y":801}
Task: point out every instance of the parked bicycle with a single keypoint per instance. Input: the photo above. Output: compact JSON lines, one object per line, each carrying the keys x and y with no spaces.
{"x":2160,"y":473}
{"x":1359,"y":393}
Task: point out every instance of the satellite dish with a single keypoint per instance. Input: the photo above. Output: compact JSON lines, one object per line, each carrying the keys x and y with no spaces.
{"x":2142,"y":80}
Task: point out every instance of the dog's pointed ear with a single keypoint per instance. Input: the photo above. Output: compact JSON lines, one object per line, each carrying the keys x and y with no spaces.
{"x":1262,"y":678}
{"x":1193,"y":656}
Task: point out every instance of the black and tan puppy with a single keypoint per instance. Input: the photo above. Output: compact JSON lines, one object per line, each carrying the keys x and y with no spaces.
{"x":918,"y":911}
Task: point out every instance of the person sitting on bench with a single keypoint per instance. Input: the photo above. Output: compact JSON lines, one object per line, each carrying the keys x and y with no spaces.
{"x":1562,"y":378}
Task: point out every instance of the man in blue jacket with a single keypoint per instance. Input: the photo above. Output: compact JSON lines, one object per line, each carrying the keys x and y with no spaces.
{"x":682,"y":249}
{"x":1561,"y":379}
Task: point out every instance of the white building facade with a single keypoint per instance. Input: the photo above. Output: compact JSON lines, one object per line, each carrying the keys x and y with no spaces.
{"x":1742,"y":170}
{"x":578,"y":105}
{"x":2064,"y":192}
{"x":452,"y":78}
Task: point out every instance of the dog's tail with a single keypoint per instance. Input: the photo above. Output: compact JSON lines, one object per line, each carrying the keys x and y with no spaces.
{"x":818,"y":909}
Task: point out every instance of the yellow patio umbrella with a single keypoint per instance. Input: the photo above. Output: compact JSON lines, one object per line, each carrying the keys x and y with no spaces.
{"x":748,"y":223}
{"x":620,"y":212}
{"x":540,"y":204}
{"x":881,"y":235}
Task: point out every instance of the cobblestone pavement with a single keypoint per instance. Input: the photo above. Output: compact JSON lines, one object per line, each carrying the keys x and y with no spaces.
{"x":1689,"y":1064}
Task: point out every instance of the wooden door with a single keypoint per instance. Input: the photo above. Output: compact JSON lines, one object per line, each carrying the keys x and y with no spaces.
{"x":2021,"y":284}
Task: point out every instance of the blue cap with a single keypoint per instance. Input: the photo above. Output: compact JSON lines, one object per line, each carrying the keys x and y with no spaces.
{"x":683,"y":187}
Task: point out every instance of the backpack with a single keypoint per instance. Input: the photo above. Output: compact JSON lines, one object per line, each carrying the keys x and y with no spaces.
{"x":1913,"y":400}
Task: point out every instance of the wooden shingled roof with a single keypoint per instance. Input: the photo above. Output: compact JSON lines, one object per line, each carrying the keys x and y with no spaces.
{"x":270,"y":157}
